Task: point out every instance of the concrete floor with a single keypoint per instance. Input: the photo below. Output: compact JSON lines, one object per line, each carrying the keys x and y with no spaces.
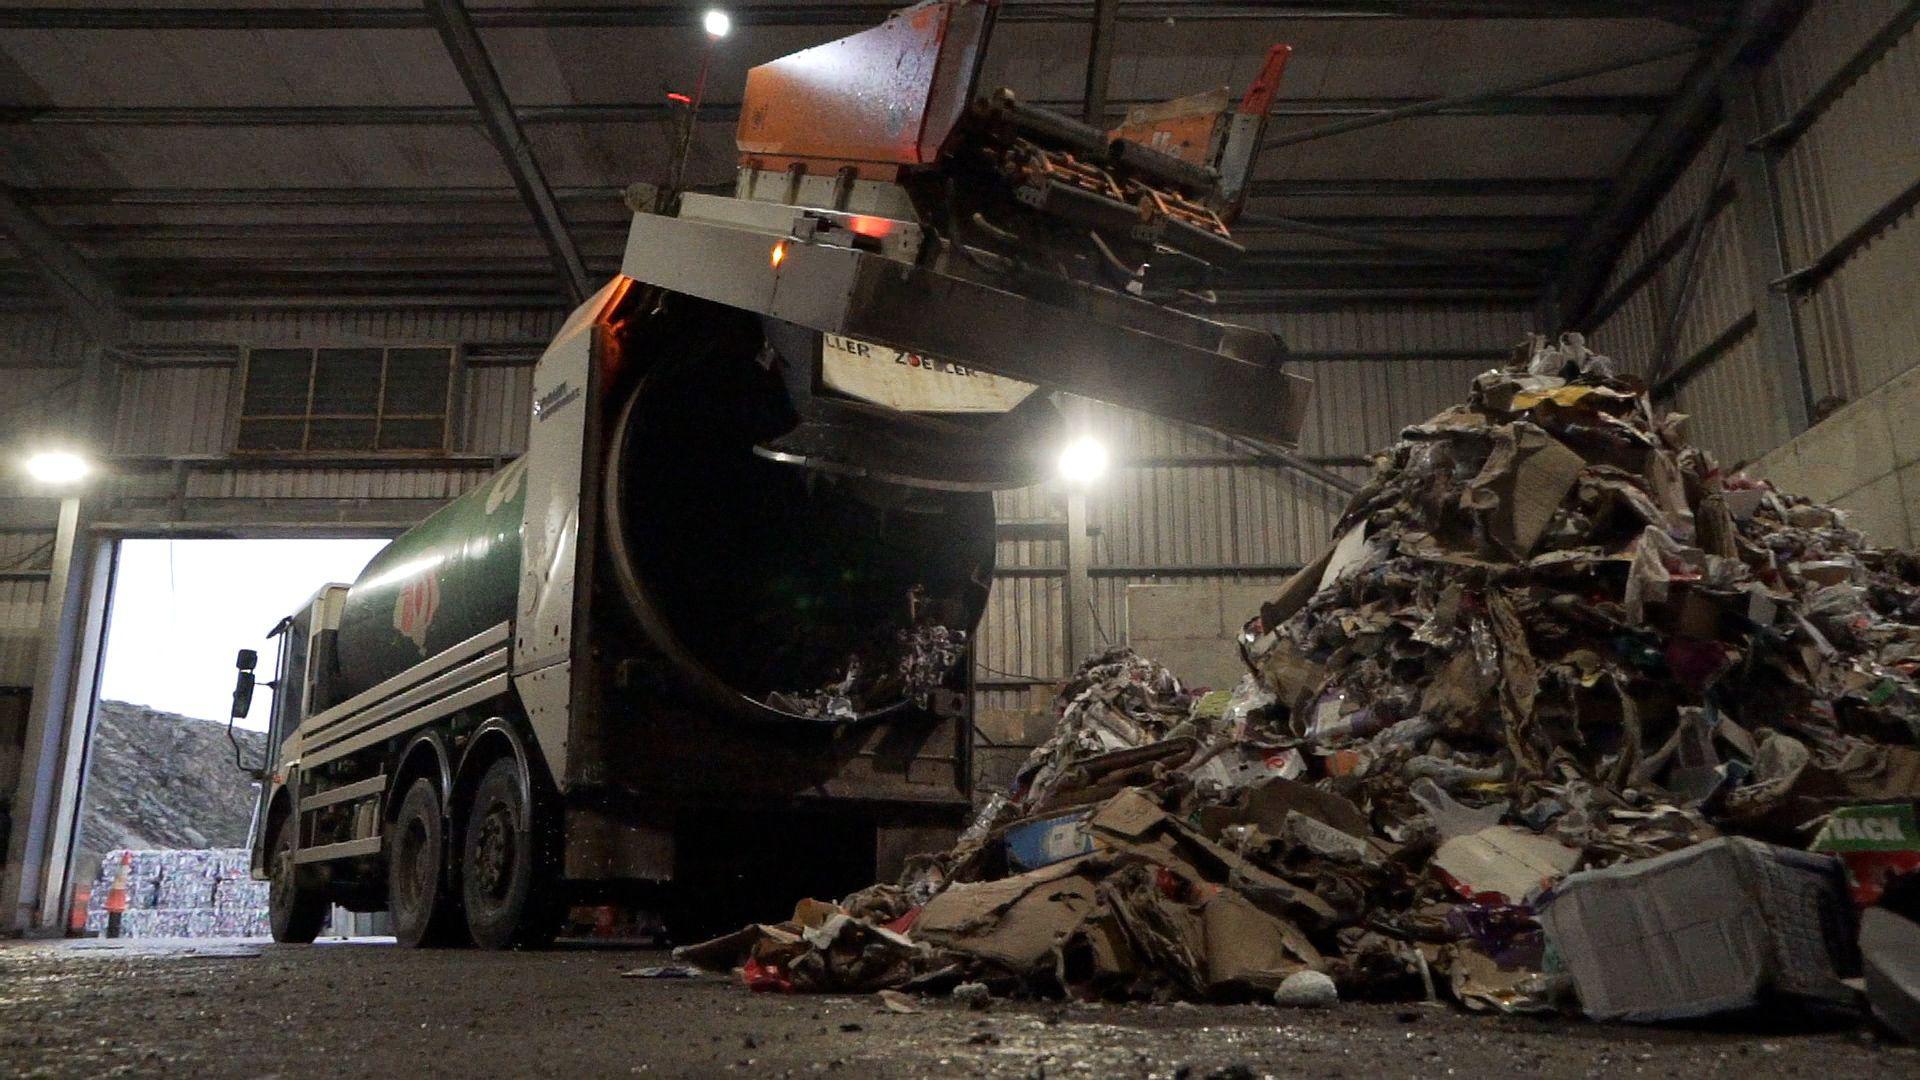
{"x":246,"y":1009}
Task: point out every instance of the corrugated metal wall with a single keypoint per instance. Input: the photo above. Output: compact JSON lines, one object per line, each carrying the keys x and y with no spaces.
{"x":1861,"y":325}
{"x":1736,"y":408}
{"x":24,"y":557}
{"x":1858,"y":327}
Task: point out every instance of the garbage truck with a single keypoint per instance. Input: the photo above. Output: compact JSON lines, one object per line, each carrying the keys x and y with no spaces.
{"x":706,"y":643}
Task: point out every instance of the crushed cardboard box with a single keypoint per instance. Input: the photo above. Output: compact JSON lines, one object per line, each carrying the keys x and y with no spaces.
{"x":1715,"y":927}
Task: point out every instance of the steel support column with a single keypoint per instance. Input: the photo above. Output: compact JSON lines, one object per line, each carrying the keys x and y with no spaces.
{"x":1758,"y":208}
{"x":469,"y":55}
{"x":1077,"y":601}
{"x":1682,"y":296}
{"x":46,"y":806}
{"x":1100,"y":61}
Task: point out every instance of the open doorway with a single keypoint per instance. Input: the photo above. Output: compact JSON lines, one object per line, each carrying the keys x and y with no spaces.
{"x":168,"y":800}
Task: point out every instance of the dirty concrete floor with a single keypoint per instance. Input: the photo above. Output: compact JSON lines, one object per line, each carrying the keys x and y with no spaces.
{"x":371,"y":1009}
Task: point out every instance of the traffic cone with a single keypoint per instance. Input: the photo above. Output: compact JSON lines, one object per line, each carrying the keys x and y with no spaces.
{"x":77,"y":914}
{"x":117,"y":894}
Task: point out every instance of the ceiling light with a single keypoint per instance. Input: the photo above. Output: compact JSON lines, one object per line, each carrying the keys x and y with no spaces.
{"x":717,"y":23}
{"x":1084,"y":460}
{"x":57,"y":466}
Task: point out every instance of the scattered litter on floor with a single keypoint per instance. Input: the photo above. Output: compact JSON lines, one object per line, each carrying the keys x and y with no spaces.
{"x":1563,"y":694}
{"x":662,"y":971}
{"x":1306,"y":990}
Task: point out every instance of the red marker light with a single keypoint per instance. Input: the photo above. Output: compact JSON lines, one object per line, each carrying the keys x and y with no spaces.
{"x":779,"y":254}
{"x":680,"y":98}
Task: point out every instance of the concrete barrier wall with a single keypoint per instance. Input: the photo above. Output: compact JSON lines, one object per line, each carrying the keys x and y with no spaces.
{"x":1191,"y":628}
{"x":1864,"y":459}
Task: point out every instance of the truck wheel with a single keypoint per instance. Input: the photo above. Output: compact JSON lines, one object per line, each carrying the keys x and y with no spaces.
{"x":419,"y":898}
{"x":296,"y":914}
{"x":501,"y":874}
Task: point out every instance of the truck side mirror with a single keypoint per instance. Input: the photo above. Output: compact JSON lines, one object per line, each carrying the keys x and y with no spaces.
{"x":242,"y":694}
{"x":247,"y":660}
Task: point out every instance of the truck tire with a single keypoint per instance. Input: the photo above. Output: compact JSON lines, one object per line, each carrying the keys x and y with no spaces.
{"x":295,"y":913}
{"x":504,"y":881}
{"x":419,"y":889}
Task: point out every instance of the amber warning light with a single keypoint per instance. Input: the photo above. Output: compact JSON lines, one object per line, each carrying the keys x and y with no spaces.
{"x":779,"y":254}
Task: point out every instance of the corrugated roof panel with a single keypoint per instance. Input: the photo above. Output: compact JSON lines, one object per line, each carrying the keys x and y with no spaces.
{"x":528,"y":326}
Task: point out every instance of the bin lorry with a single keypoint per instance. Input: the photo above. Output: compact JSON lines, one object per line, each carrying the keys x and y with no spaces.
{"x":707,"y":641}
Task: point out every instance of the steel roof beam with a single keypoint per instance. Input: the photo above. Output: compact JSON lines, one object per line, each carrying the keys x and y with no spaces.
{"x":834,"y":15}
{"x":1498,"y":187}
{"x":469,"y":56}
{"x":1367,"y":239}
{"x":1506,"y":90}
{"x":542,"y":298}
{"x":1398,"y":224}
{"x":297,"y":196}
{"x":169,"y":271}
{"x":1662,"y":154}
{"x":1490,"y":105}
{"x":360,"y":231}
{"x":1314,"y":298}
{"x":401,"y":231}
{"x":728,"y":113}
{"x":90,"y":298}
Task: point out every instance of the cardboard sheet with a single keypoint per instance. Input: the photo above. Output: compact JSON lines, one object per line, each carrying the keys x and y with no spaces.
{"x":1504,"y":862}
{"x":1015,"y":921}
{"x":1522,"y":484}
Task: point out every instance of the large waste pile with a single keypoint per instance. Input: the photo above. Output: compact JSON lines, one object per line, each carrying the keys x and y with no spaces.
{"x":1556,"y":721}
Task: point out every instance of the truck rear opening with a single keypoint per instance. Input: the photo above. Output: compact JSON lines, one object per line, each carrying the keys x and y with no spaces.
{"x":801,"y":592}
